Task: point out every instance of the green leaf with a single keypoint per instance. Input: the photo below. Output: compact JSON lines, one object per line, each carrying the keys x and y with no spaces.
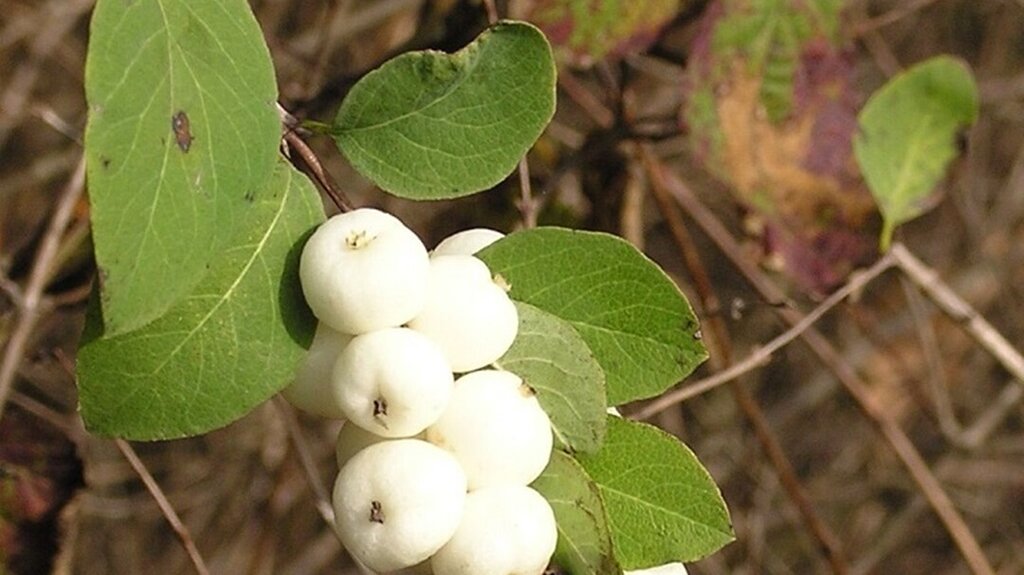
{"x":182,"y":129}
{"x":908,"y":133}
{"x":662,"y":504}
{"x":638,"y":325}
{"x":584,"y":542}
{"x":232,"y":343}
{"x":555,"y":361}
{"x":590,"y":31}
{"x":429,"y":125}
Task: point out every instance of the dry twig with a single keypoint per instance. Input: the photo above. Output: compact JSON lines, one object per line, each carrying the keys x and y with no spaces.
{"x":165,"y":506}
{"x":31,"y":296}
{"x":857,"y":388}
{"x":323,"y":498}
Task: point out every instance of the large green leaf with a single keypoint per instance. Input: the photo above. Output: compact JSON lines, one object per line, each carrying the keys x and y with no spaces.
{"x":430,"y":125}
{"x":584,"y":542}
{"x":662,"y":504}
{"x":182,"y":129}
{"x":555,"y":361}
{"x":638,"y":325}
{"x":230,"y":344}
{"x":908,"y":134}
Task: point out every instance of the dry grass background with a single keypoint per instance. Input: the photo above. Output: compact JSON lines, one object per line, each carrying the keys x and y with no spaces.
{"x":241,"y":491}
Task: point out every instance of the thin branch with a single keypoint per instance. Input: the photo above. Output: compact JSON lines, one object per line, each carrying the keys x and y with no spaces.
{"x":902,"y":11}
{"x":165,"y":506}
{"x":492,"y":11}
{"x":960,"y":311}
{"x":763,"y":355}
{"x":314,"y":167}
{"x":855,"y":386}
{"x":323,"y":498}
{"x":527,"y":204}
{"x":936,"y":379}
{"x":586,"y":100}
{"x":719,"y":337}
{"x":31,"y":297}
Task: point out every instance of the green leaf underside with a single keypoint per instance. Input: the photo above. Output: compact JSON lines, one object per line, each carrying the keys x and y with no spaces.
{"x":584,"y":542}
{"x":182,"y":131}
{"x":908,"y":132}
{"x":430,"y":125}
{"x":662,"y":504}
{"x":555,"y":361}
{"x":636,"y":322}
{"x":229,"y":345}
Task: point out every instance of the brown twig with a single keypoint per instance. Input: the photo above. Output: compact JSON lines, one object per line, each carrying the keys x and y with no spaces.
{"x":492,"y":11}
{"x":762,"y":355}
{"x":527,"y":204}
{"x":855,"y":386}
{"x":323,"y":498}
{"x":592,"y":106}
{"x":165,"y":506}
{"x":31,"y":297}
{"x":903,"y":10}
{"x":960,"y":311}
{"x":314,"y":167}
{"x":718,"y":337}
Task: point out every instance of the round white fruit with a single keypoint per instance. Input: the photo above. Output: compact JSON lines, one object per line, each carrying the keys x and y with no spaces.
{"x":467,"y":313}
{"x":364,"y":270}
{"x":508,"y":530}
{"x":397,"y":502}
{"x":467,"y":242}
{"x":666,"y":569}
{"x":393,"y":382}
{"x":495,"y":428}
{"x":313,"y":379}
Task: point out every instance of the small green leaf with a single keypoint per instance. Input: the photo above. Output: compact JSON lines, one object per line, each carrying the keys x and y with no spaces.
{"x":429,"y":125}
{"x":662,"y":504}
{"x":182,"y":129}
{"x":908,"y":132}
{"x":584,"y":542}
{"x":230,"y":344}
{"x":636,"y":322}
{"x":555,"y":361}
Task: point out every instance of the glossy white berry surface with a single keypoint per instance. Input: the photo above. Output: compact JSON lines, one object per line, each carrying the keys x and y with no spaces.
{"x":467,"y":313}
{"x":397,"y":502}
{"x":666,"y":569}
{"x":467,"y":242}
{"x":392,"y":382}
{"x":507,"y":530}
{"x":364,"y":270}
{"x":495,"y":428}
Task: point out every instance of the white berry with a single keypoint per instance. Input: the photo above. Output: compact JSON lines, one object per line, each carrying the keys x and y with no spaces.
{"x":467,"y":242}
{"x":495,"y":428}
{"x":364,"y":270}
{"x":467,"y":313}
{"x":313,"y":379}
{"x":507,"y":530}
{"x":393,"y":382}
{"x":666,"y":569}
{"x":397,"y":502}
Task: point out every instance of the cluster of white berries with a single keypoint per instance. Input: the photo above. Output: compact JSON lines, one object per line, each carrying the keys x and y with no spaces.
{"x":434,"y":470}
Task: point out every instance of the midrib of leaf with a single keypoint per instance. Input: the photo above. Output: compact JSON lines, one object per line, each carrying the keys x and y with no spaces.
{"x":257,"y":250}
{"x":646,"y":504}
{"x":917,"y":147}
